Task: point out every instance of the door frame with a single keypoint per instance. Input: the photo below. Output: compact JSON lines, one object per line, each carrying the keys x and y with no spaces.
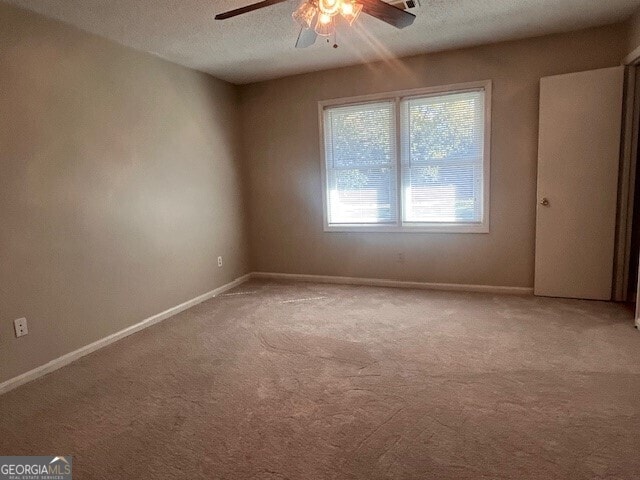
{"x":629,"y":158}
{"x":626,"y":185}
{"x":627,"y":178}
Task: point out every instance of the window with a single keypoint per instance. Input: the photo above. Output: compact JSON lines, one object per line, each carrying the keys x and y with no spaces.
{"x":410,"y":161}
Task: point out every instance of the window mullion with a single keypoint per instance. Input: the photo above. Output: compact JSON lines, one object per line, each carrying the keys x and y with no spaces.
{"x":399,"y":200}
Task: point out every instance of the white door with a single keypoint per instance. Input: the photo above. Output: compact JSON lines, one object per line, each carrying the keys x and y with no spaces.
{"x":578,"y":158}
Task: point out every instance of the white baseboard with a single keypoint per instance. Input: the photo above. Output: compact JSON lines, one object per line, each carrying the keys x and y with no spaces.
{"x":92,"y":347}
{"x":453,"y":287}
{"x":103,"y":342}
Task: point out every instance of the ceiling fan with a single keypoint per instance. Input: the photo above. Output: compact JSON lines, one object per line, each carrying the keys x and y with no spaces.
{"x":318,"y":17}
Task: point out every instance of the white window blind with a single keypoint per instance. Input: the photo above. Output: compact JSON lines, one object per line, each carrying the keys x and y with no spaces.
{"x":442,"y":164}
{"x":408,"y":161}
{"x":361,"y":163}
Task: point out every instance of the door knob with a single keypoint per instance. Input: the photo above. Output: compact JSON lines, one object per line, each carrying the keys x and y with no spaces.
{"x":544,"y":202}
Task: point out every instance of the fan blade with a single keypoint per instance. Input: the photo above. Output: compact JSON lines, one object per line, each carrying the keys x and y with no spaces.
{"x":306,"y":38}
{"x":248,"y":8}
{"x":387,"y":13}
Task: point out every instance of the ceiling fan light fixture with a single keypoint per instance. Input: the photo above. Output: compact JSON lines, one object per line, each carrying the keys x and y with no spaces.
{"x":350,"y":11}
{"x":325,"y":19}
{"x":305,"y":14}
{"x":324,"y":25}
{"x":329,"y":7}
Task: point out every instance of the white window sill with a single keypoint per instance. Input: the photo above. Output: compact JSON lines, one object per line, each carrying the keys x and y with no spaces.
{"x":417,"y":228}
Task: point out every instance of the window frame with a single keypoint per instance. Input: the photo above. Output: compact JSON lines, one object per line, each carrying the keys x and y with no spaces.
{"x":400,"y":225}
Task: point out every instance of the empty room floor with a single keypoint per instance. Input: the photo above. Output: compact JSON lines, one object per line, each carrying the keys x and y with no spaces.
{"x":311,"y":381}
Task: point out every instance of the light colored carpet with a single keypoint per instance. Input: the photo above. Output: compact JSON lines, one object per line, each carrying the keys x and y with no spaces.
{"x":306,"y":381}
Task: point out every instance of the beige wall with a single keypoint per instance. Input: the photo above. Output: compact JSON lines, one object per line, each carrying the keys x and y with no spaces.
{"x":281,"y":152}
{"x":118,"y":187}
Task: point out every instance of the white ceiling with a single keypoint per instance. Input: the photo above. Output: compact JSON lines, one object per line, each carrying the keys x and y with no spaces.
{"x":260,"y":45}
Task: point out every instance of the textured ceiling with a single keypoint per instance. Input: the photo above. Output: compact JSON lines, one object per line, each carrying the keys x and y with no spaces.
{"x":260,"y":45}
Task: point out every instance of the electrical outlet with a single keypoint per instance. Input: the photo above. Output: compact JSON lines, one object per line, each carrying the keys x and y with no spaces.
{"x":219,"y":261}
{"x":20,"y":326}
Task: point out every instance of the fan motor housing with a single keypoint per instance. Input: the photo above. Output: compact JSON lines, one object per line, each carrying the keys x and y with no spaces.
{"x":405,"y":4}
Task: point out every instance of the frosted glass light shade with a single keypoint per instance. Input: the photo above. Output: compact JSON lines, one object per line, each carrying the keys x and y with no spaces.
{"x":305,"y":14}
{"x":325,"y":28}
{"x":350,"y":11}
